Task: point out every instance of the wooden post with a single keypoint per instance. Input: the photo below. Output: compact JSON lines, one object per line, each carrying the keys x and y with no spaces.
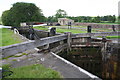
{"x":113,"y":27}
{"x":104,"y":41}
{"x":69,"y":41}
{"x":48,"y":34}
{"x":89,"y":29}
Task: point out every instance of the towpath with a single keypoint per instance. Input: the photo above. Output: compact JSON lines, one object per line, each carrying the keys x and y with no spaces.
{"x":50,"y":61}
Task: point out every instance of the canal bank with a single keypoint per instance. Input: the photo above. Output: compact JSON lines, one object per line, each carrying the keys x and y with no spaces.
{"x":71,"y":40}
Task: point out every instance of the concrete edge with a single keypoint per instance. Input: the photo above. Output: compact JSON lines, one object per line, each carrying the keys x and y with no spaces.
{"x":80,"y":69}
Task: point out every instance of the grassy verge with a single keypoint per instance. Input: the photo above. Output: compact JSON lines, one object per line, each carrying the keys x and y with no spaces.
{"x":15,"y":56}
{"x":61,"y":30}
{"x":41,"y":28}
{"x":108,"y":23}
{"x":8,"y":37}
{"x":33,"y":71}
{"x":70,"y":30}
{"x":111,"y":37}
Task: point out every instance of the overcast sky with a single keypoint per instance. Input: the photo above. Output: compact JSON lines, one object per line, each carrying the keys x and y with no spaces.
{"x":72,"y":7}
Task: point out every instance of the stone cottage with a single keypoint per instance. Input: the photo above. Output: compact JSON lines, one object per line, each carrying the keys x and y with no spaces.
{"x":65,"y":21}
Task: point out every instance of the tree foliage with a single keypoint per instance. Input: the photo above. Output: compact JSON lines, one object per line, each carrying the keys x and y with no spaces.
{"x":22,"y":12}
{"x":87,"y":19}
{"x":60,"y":13}
{"x":5,"y":18}
{"x":97,"y":19}
{"x":119,"y":19}
{"x":51,"y":19}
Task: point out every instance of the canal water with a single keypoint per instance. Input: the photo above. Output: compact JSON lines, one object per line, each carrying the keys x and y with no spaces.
{"x":90,"y":59}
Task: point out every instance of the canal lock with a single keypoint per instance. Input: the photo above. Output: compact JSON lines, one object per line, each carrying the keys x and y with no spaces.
{"x":104,"y":64}
{"x":91,"y":59}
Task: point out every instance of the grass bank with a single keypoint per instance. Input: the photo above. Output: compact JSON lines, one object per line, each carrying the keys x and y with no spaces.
{"x":82,"y":30}
{"x":8,"y":37}
{"x":32,"y":71}
{"x":60,"y":30}
{"x":112,"y":37}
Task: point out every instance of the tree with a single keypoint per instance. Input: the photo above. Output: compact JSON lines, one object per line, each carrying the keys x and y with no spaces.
{"x":23,"y":12}
{"x":0,"y":21}
{"x":114,"y":19}
{"x":51,"y":19}
{"x":6,"y":18}
{"x":97,"y":19}
{"x":60,"y":14}
{"x":119,"y":19}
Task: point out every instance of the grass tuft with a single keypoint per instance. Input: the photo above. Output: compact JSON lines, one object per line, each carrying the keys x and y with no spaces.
{"x":34,"y":71}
